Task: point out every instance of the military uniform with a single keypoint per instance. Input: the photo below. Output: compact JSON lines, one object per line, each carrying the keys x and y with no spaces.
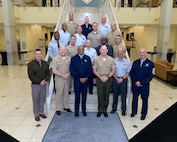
{"x":104,"y":68}
{"x":111,"y":36}
{"x":95,"y":37}
{"x":36,"y":74}
{"x":71,"y":50}
{"x":142,"y":73}
{"x":115,"y":49}
{"x":71,"y":27}
{"x":80,"y":67}
{"x":62,"y":64}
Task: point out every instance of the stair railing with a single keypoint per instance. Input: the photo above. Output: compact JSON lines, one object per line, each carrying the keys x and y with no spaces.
{"x":40,"y":43}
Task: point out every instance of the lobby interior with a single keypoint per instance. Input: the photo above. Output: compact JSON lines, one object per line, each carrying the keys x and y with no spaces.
{"x":34,"y":27}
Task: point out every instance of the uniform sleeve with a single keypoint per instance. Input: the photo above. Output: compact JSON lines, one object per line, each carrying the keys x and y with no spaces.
{"x":72,"y":68}
{"x":94,"y":64}
{"x":90,"y":71}
{"x":47,"y":72}
{"x":50,"y":51}
{"x":129,"y":66}
{"x":53,"y":64}
{"x":132,"y":74}
{"x":113,"y":64}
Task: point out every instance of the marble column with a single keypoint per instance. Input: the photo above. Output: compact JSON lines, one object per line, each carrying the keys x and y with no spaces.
{"x":164,"y":29}
{"x":10,"y":32}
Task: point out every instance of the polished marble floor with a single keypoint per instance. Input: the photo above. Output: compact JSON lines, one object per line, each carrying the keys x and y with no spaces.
{"x":16,"y":116}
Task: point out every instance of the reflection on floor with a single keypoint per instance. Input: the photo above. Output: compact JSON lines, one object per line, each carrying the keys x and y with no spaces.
{"x":16,"y":116}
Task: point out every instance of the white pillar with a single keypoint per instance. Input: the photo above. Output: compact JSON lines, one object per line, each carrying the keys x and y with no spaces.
{"x":10,"y":32}
{"x":164,"y":28}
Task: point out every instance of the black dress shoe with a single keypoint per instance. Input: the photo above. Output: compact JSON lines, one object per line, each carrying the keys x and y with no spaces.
{"x":98,"y":114}
{"x":84,"y":113}
{"x":76,"y":114}
{"x":69,"y":92}
{"x":58,"y":112}
{"x":67,"y":109}
{"x":113,"y":111}
{"x":123,"y":113}
{"x":132,"y":115}
{"x":143,"y":117}
{"x":91,"y":93}
{"x":105,"y":114}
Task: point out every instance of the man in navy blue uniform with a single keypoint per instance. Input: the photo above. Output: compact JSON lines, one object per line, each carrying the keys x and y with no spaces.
{"x":81,"y":70}
{"x":86,"y":27}
{"x":141,"y":75}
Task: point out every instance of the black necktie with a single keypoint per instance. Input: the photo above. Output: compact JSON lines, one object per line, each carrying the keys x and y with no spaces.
{"x":40,"y":63}
{"x":58,"y":43}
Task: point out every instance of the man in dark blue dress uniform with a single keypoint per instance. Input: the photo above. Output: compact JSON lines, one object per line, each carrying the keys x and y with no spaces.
{"x":86,"y":27}
{"x":141,"y":75}
{"x":81,"y":70}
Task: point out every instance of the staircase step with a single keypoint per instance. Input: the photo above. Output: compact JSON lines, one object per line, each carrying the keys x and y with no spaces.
{"x":86,"y":10}
{"x":93,"y":14}
{"x":92,"y":102}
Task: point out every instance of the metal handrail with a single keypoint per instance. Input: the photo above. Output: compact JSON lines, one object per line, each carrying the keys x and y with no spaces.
{"x":112,"y":18}
{"x":36,"y":45}
{"x":37,"y":41}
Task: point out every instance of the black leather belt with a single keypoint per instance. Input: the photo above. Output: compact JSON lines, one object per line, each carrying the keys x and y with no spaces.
{"x":120,"y":77}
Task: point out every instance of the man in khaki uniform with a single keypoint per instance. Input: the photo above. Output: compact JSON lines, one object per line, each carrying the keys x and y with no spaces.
{"x":72,"y":48}
{"x":117,"y":45}
{"x":60,"y":67}
{"x":103,"y":68}
{"x":95,"y":36}
{"x":111,"y":36}
{"x":71,"y":24}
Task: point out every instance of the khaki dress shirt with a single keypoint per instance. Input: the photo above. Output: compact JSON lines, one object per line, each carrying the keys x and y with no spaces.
{"x":60,"y":64}
{"x":71,"y":27}
{"x":71,"y":50}
{"x":111,"y":36}
{"x":104,"y":67}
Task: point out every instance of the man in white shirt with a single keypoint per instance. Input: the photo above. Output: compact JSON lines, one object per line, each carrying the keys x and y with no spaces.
{"x":104,"y":28}
{"x":91,"y":52}
{"x":80,"y":38}
{"x":64,"y":35}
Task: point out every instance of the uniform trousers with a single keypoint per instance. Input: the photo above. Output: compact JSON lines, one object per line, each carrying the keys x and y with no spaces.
{"x":90,"y":83}
{"x":70,"y":83}
{"x":144,"y":92}
{"x":80,"y":88}
{"x":38,"y":97}
{"x":103,"y":90}
{"x":119,"y":89}
{"x":62,"y":87}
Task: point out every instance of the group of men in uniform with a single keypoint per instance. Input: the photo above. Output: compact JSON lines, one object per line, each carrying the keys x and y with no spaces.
{"x":86,"y":54}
